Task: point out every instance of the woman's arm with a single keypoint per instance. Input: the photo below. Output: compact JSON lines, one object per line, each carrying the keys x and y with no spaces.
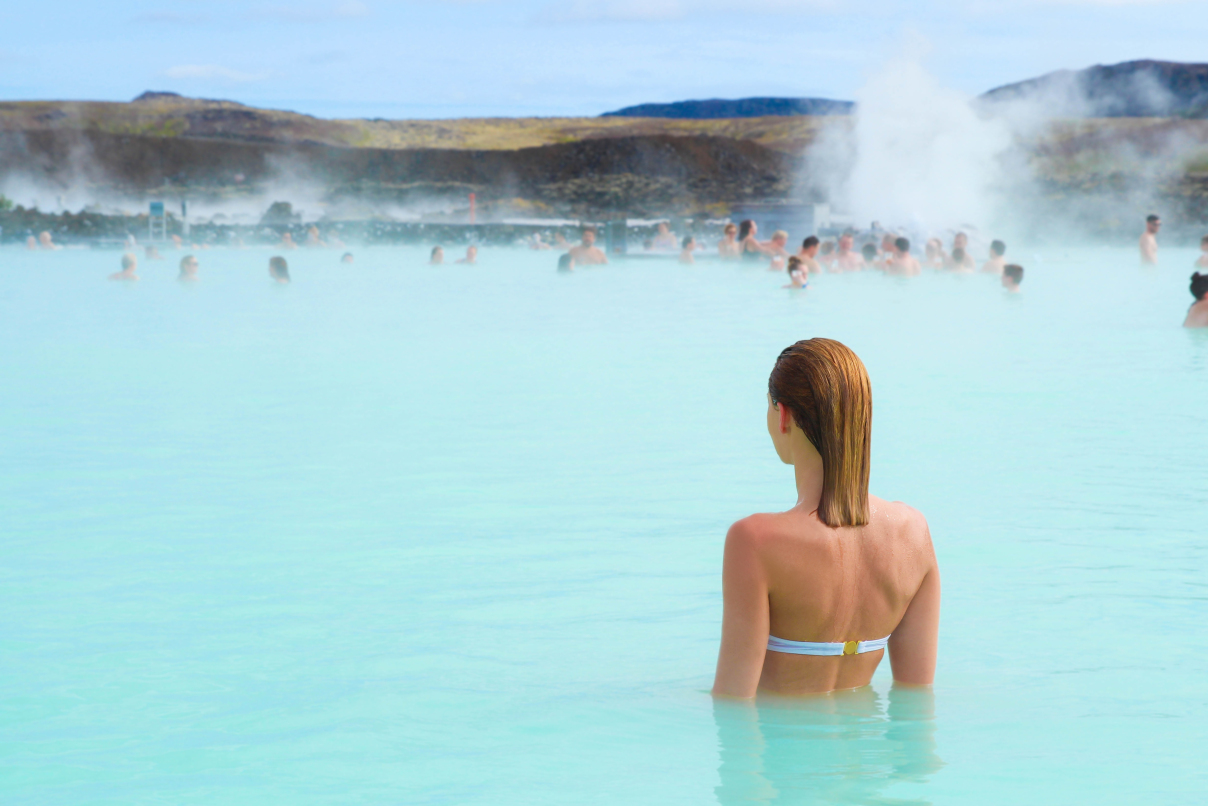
{"x":744,"y":626}
{"x":913,"y":645}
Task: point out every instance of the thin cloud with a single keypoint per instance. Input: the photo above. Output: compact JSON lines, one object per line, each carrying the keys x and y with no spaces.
{"x":212,"y":71}
{"x":347,"y":9}
{"x":665,"y":10}
{"x":171,"y":18}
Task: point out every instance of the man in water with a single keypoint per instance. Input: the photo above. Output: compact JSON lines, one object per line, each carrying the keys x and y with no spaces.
{"x":902,"y":262}
{"x":278,"y":269}
{"x":587,"y":253}
{"x":347,"y":258}
{"x":776,"y":246}
{"x":45,"y":241}
{"x":845,"y":258}
{"x":808,"y":256}
{"x":1197,"y":314}
{"x":188,"y":269}
{"x":471,"y":257}
{"x":1202,"y":262}
{"x":287,"y":241}
{"x":129,"y":268}
{"x":686,"y":257}
{"x":996,"y":262}
{"x":566,"y":262}
{"x":1149,"y":241}
{"x":1012,"y":276}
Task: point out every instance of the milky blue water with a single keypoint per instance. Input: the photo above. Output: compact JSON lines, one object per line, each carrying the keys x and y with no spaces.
{"x":452,"y":535}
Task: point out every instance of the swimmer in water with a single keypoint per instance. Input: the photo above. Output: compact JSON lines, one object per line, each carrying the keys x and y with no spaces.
{"x":278,"y":269}
{"x":1012,"y":276}
{"x":536,"y":243}
{"x":960,"y":261}
{"x":888,"y":250}
{"x":776,"y":246}
{"x":587,"y":253}
{"x":903,"y":263}
{"x":748,"y":245}
{"x":826,"y":254}
{"x":996,"y":262}
{"x":566,"y":262}
{"x":728,"y":248}
{"x":933,"y":254}
{"x":176,"y":242}
{"x":153,"y":254}
{"x":686,"y":255}
{"x":1149,"y":241}
{"x":346,"y":258}
{"x":437,"y":257}
{"x":129,"y":268}
{"x":814,"y":596}
{"x":869,"y":252}
{"x":808,"y":255}
{"x":312,"y":237}
{"x":560,"y":241}
{"x":45,"y":242}
{"x":664,"y":238}
{"x":798,"y":275}
{"x":1197,"y":314}
{"x":845,"y":258}
{"x":287,"y":241}
{"x":31,"y":243}
{"x":471,"y":257}
{"x":188,"y":268}
{"x":1202,"y":262}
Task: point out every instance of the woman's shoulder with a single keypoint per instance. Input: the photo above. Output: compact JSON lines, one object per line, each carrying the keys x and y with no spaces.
{"x":901,"y":519}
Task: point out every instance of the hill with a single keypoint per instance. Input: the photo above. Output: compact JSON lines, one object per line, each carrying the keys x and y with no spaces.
{"x":1145,"y":89}
{"x":717,"y":108}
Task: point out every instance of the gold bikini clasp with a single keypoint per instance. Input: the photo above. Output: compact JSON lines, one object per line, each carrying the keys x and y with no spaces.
{"x":850,"y":647}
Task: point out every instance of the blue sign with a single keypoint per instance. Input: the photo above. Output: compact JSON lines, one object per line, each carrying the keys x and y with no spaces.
{"x":157,"y":209}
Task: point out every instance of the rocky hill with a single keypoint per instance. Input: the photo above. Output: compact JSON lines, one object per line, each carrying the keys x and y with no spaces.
{"x":741,"y":108}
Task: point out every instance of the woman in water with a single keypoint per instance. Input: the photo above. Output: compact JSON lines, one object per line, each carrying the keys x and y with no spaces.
{"x":689,"y":245}
{"x":814,"y":595}
{"x":728,"y":248}
{"x":748,"y":246}
{"x":438,"y":256}
{"x":1197,"y":315}
{"x":799,"y":276}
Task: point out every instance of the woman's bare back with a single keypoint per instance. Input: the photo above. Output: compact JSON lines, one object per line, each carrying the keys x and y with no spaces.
{"x":836,"y":585}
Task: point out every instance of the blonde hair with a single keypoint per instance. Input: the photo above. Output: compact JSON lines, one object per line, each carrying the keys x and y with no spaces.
{"x":825,"y":387}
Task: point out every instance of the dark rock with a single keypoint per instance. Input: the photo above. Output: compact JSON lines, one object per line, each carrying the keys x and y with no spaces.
{"x":740,"y":108}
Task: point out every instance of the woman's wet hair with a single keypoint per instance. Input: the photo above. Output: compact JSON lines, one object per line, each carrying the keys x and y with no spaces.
{"x":1199,"y":285}
{"x":902,"y":244}
{"x":435,"y":250}
{"x":998,"y":248}
{"x":744,"y":228}
{"x":869,"y":251}
{"x":1014,"y":271}
{"x":566,"y":262}
{"x":825,"y":387}
{"x":793,"y":265}
{"x":688,"y":239}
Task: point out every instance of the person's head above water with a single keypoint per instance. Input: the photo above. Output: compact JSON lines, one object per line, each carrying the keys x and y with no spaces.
{"x":780,"y":237}
{"x":902,"y":245}
{"x":746,"y":228}
{"x":688,"y":242}
{"x":958,"y":255}
{"x":1152,"y":224}
{"x":438,"y":255}
{"x":823,"y":388}
{"x":960,"y":241}
{"x":1012,"y":276}
{"x":347,"y":258}
{"x":869,"y":251}
{"x":827,"y":248}
{"x":566,"y":262}
{"x":188,"y":267}
{"x":731,"y":230}
{"x":1199,"y":286}
{"x":129,"y":262}
{"x":998,"y":248}
{"x":810,"y":244}
{"x":278,"y":269}
{"x":589,"y":237}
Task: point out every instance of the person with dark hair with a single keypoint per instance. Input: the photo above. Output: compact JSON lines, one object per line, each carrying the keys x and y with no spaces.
{"x":566,"y":262}
{"x":188,"y":269}
{"x":902,"y":263}
{"x":129,"y":268}
{"x":996,"y":262}
{"x":1149,"y":240}
{"x":748,"y":245}
{"x":689,"y":244}
{"x":1197,"y":315}
{"x":1202,"y":262}
{"x":869,"y":252}
{"x":278,"y":269}
{"x":798,"y":274}
{"x":813,"y":596}
{"x":437,"y":257}
{"x":1012,"y":276}
{"x":587,"y":253}
{"x":809,"y":253}
{"x":826,"y":254}
{"x":960,"y":261}
{"x":346,"y":258}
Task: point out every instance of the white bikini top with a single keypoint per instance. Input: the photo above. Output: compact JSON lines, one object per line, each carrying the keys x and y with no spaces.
{"x":826,"y":648}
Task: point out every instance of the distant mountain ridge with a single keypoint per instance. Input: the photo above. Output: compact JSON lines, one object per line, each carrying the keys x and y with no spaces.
{"x":715,"y":108}
{"x":1139,"y":89}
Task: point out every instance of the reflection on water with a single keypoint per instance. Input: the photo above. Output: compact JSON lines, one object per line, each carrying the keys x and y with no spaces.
{"x":844,"y":747}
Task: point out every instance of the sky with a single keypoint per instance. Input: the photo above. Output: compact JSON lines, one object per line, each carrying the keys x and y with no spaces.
{"x":484,"y":58}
